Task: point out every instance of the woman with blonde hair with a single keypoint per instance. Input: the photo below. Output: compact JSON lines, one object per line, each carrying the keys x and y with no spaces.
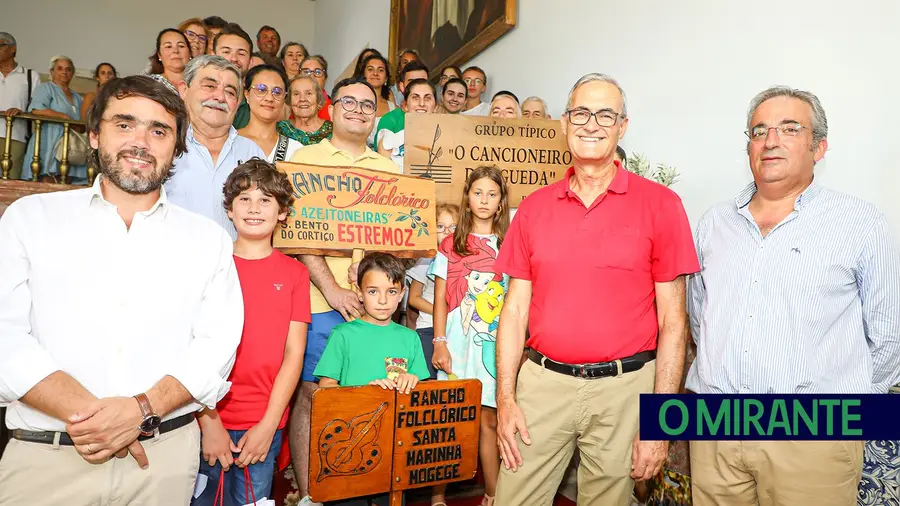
{"x":197,"y":35}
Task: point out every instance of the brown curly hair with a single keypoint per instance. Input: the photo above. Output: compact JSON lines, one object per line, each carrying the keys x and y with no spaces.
{"x":265,"y":176}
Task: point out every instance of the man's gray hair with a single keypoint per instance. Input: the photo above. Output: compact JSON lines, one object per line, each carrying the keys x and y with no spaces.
{"x":819,"y":121}
{"x":201,"y":62}
{"x":7,"y":38}
{"x":60,"y":57}
{"x":536,"y":98}
{"x":589,"y":78}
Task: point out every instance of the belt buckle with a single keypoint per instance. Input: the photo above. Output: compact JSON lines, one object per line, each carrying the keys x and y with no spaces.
{"x":582,"y":371}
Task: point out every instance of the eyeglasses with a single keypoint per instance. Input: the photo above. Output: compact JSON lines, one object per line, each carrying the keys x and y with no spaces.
{"x":312,"y":72}
{"x":581,"y":116}
{"x":193,"y":35}
{"x":446,"y":77}
{"x":441,"y":228}
{"x":367,"y":106}
{"x":476,"y":81}
{"x":760,"y":132}
{"x":261,"y":90}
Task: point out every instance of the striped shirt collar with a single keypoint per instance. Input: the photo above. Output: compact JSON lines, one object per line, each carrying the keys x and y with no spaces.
{"x":743,"y":199}
{"x":97,"y":195}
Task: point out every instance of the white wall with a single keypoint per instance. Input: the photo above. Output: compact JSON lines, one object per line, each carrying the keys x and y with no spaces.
{"x":351,"y":26}
{"x":690,"y":69}
{"x":124,"y":32}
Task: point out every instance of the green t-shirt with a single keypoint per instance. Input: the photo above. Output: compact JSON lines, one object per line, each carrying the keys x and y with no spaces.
{"x":242,"y":116}
{"x":394,"y":121}
{"x":359,"y":352}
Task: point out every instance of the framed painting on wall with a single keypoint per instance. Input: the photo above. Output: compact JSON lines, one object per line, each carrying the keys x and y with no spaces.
{"x":448,"y":32}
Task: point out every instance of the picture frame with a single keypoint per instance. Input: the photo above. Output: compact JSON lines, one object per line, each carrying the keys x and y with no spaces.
{"x":447,"y":32}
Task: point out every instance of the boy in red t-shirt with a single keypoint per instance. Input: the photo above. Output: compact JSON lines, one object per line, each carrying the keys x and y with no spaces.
{"x":245,"y":429}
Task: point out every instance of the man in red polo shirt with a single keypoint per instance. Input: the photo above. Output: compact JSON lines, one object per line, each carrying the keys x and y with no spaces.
{"x":597,"y":264}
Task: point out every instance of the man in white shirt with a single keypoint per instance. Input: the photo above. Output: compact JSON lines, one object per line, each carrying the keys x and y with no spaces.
{"x":211,"y":91}
{"x":15,"y":93}
{"x":112,"y":351}
{"x":476,"y":84}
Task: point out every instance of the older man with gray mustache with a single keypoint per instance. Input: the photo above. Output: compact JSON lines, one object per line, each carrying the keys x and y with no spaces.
{"x":211,"y":90}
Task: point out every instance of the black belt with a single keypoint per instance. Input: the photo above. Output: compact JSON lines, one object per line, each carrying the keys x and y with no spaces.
{"x":65,"y":440}
{"x":597,"y":370}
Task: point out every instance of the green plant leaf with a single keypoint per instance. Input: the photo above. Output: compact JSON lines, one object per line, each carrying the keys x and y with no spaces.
{"x":403,"y":217}
{"x":412,"y":212}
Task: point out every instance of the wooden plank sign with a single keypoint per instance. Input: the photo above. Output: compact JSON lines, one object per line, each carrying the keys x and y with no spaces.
{"x":351,"y":442}
{"x":445,"y":147}
{"x":367,"y":440}
{"x":436,"y":432}
{"x":339,"y":209}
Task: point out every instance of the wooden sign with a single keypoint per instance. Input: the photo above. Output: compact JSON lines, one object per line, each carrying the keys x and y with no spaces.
{"x":445,"y":147}
{"x":351,"y":442}
{"x":367,"y":440}
{"x":436,"y":433}
{"x":339,"y":209}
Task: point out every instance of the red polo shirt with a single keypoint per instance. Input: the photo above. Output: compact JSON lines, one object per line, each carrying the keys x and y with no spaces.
{"x":593,"y":269}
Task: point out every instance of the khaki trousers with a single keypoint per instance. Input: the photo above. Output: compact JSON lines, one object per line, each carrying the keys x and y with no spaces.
{"x":599,"y":417}
{"x":39,"y":474}
{"x":17,"y":155}
{"x":775,"y":473}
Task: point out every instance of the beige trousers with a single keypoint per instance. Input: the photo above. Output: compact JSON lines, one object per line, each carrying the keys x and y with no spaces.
{"x":40,"y":474}
{"x":599,"y":417}
{"x":775,"y":473}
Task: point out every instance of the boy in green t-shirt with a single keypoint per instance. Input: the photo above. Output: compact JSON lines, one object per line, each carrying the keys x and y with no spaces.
{"x":373,"y":350}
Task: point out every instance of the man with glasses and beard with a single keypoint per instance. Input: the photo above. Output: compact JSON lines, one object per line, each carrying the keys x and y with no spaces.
{"x":90,"y":387}
{"x":332,"y":300}
{"x":211,"y":91}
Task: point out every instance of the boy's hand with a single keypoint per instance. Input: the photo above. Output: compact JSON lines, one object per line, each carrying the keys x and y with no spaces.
{"x":441,"y":358}
{"x":406,"y":382}
{"x":255,"y":444}
{"x":216,"y":444}
{"x":387,"y":384}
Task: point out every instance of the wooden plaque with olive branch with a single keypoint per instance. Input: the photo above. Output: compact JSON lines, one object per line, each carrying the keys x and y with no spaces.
{"x":341,"y":209}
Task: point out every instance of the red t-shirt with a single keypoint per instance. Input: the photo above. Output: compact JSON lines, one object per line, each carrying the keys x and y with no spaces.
{"x":276,"y":292}
{"x":593,"y":269}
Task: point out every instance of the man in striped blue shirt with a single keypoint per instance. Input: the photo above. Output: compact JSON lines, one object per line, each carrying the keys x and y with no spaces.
{"x":799,"y":292}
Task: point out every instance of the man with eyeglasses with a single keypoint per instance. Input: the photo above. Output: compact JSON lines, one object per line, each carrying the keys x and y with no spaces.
{"x":597,"y":263}
{"x":476,"y":84}
{"x":332,"y":300}
{"x":210,"y":91}
{"x":799,"y":292}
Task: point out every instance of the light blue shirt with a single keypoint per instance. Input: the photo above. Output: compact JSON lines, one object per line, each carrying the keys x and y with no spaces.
{"x":812,"y":307}
{"x":197,"y":182}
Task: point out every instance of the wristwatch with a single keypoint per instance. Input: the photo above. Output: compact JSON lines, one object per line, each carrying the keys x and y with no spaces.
{"x":151,"y":420}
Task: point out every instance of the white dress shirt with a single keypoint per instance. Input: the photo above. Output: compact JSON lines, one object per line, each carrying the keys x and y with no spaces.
{"x":116,"y":308}
{"x":14,"y":93}
{"x":197,"y":182}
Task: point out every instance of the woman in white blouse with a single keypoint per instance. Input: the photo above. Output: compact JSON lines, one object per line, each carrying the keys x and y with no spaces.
{"x":265,"y":88}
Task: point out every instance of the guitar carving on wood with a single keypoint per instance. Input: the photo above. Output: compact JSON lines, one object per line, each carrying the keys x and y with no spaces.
{"x":351,"y":448}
